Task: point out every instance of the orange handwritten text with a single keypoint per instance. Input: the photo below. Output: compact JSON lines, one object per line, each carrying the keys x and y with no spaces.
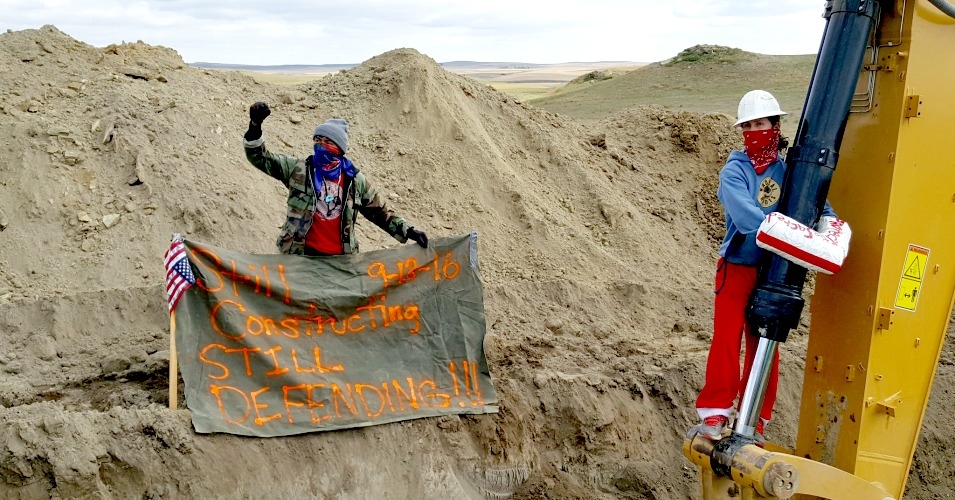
{"x":409,"y":269}
{"x":270,"y":362}
{"x":258,"y":279}
{"x":373,"y":315}
{"x":318,"y":403}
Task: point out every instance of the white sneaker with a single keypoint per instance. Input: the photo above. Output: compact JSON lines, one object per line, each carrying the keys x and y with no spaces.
{"x":712,"y":427}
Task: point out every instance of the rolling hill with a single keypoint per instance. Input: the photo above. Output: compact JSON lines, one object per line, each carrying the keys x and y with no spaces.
{"x":702,"y":79}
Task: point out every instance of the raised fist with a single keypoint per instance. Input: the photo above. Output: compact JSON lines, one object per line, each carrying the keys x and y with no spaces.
{"x":258,"y":112}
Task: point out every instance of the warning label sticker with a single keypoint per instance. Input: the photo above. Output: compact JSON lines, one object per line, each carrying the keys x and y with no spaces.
{"x":913,"y":273}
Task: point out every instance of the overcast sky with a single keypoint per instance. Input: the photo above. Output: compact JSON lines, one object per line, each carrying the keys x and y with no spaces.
{"x":344,"y":32}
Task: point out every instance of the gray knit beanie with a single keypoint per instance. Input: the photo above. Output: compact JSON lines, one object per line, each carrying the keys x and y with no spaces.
{"x":335,"y":129}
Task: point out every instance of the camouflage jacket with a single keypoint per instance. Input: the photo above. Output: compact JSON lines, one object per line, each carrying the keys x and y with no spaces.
{"x":296,"y":174}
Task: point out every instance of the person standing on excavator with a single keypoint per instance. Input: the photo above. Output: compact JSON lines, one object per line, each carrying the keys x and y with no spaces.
{"x":326,"y":192}
{"x":749,"y":190}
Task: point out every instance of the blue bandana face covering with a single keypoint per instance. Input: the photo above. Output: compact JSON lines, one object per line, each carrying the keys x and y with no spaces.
{"x":323,"y":158}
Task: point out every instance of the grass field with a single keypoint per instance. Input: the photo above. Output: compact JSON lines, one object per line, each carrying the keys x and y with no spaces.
{"x":525,"y":91}
{"x":284,"y":78}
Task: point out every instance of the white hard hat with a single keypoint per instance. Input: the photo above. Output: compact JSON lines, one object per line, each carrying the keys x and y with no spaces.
{"x":757,"y":104}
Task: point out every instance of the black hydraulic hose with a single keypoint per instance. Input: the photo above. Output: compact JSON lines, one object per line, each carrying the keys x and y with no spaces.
{"x":944,"y":6}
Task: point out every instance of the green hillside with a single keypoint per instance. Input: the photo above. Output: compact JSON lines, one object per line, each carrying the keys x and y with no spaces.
{"x":704,"y":78}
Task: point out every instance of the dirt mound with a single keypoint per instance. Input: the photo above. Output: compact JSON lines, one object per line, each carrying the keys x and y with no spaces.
{"x":596,"y":246}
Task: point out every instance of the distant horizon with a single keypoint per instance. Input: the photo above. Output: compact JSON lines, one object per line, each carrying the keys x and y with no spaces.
{"x":208,"y":64}
{"x":516,"y":64}
{"x":495,"y":62}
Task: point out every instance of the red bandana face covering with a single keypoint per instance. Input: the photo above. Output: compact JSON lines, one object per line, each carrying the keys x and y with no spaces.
{"x":762,"y":147}
{"x":332,"y":148}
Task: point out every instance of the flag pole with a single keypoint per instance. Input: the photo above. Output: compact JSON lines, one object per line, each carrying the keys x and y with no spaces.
{"x":173,"y":363}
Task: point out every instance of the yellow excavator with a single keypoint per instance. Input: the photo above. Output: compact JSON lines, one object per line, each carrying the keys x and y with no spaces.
{"x":880,"y":106}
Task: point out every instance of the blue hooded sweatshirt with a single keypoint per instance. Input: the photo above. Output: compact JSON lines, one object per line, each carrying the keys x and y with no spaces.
{"x":747,"y":198}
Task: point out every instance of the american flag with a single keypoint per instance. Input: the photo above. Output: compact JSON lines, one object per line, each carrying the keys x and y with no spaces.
{"x":179,"y":275}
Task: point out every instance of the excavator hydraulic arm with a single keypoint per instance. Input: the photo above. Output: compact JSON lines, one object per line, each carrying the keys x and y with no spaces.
{"x":880,"y":105}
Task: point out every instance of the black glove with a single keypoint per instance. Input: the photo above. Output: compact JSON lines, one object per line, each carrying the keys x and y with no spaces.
{"x":254,"y":132}
{"x":418,"y":237}
{"x":258,"y":112}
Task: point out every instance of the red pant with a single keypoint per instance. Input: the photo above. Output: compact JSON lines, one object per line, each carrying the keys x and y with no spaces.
{"x":734,"y":285}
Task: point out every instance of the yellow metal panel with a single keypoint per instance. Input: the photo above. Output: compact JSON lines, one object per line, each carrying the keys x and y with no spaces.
{"x":758,"y":473}
{"x":895,"y":185}
{"x":817,"y":480}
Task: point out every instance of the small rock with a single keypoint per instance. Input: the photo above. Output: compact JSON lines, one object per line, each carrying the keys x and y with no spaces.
{"x":137,"y":73}
{"x":108,"y":134}
{"x":45,"y":349}
{"x":138,"y":355}
{"x":295,"y":119}
{"x":114,"y":364}
{"x":83,"y":217}
{"x":71,"y":157}
{"x":110,"y":220}
{"x":13,"y":367}
{"x":157,"y":361}
{"x":52,"y":424}
{"x":553,"y":325}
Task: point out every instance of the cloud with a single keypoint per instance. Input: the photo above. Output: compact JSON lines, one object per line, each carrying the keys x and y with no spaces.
{"x":742,"y":9}
{"x":300,"y":32}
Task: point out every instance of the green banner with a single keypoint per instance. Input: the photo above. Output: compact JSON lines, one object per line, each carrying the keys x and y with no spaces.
{"x":275,"y":345}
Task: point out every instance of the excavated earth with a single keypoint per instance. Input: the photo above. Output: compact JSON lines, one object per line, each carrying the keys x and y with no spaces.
{"x":597,"y":249}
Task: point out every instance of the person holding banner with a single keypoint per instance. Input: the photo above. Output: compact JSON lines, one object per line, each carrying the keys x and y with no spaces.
{"x":326,"y":192}
{"x":749,"y":190}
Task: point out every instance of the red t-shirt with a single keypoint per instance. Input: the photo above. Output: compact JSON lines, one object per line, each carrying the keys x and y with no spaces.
{"x":325,"y":235}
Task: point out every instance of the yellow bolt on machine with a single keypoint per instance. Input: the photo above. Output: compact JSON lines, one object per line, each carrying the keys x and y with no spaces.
{"x":879,"y":324}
